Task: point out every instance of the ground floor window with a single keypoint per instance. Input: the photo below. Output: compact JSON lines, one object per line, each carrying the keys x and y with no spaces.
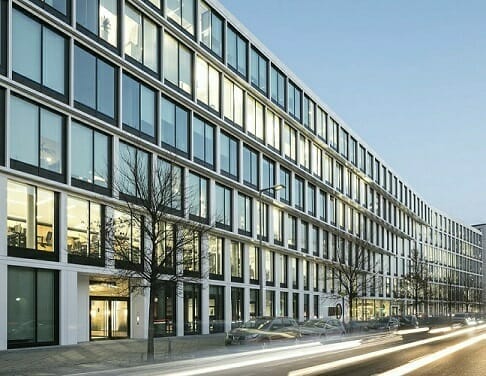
{"x":32,"y":306}
{"x":216,"y":309}
{"x":165,"y":310}
{"x":237,"y":306}
{"x":192,"y":309}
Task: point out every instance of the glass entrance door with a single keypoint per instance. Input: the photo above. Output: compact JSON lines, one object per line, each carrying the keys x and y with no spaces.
{"x":108,"y":318}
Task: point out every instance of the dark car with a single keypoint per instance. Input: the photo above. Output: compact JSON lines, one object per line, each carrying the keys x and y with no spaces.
{"x":264,"y":329}
{"x":463,"y":318}
{"x":386,"y":323}
{"x":408,"y":322}
{"x":322,"y":327}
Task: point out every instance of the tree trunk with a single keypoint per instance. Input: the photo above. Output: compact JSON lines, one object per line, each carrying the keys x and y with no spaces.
{"x":150,"y":338}
{"x":350,"y":303}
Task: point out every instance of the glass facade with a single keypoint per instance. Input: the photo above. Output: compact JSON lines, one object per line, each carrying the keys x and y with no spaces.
{"x":97,"y":115}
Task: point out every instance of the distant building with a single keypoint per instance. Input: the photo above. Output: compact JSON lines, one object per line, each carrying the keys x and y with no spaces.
{"x":482,"y":228}
{"x":82,"y":82}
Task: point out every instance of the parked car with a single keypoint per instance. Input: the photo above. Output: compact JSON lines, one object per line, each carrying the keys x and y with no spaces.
{"x":322,"y":327}
{"x":463,"y":318}
{"x":386,"y":323}
{"x":264,"y":329}
{"x":408,"y":322}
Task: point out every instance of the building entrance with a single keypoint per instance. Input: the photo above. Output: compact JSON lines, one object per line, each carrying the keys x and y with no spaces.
{"x":108,"y":318}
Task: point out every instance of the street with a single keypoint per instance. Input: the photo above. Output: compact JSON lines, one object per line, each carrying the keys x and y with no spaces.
{"x":422,"y":352}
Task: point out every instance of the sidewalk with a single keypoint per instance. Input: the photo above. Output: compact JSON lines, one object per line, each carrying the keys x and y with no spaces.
{"x":105,"y":355}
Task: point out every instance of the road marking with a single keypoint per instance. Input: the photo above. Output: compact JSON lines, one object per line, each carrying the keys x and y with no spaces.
{"x":359,"y":358}
{"x":425,"y":360}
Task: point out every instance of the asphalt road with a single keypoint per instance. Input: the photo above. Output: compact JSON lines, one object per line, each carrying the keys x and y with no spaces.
{"x":391,"y":355}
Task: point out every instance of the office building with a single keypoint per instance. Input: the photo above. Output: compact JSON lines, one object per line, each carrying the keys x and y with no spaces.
{"x":83,"y":82}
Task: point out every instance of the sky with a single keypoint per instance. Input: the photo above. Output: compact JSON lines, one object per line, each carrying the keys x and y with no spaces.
{"x":409,"y":77}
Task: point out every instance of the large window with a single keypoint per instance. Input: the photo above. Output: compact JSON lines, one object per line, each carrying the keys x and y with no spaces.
{"x":270,"y":267}
{"x":285,"y":181}
{"x":224,"y":207}
{"x":308,"y":113}
{"x":236,"y":261}
{"x":94,"y":84}
{"x":39,"y":55}
{"x":278,"y":222}
{"x":304,"y":152}
{"x":84,"y":222}
{"x":31,"y":221}
{"x":289,"y":141}
{"x":141,"y":39}
{"x":216,"y":309}
{"x":192,"y":308}
{"x":191,"y":253}
{"x":236,"y":51}
{"x":3,"y":37}
{"x":33,"y":305}
{"x":93,"y":170}
{"x":233,"y":103}
{"x":244,"y":214}
{"x":207,"y":84}
{"x":203,"y":139}
{"x":299,"y":193}
{"x":127,"y":239}
{"x":211,"y":29}
{"x":198,"y":197}
{"x":36,"y":140}
{"x":170,"y":175}
{"x":258,"y":71}
{"x":133,"y":171}
{"x":268,"y":176}
{"x":181,"y":12}
{"x":278,"y":87}
{"x":138,"y":108}
{"x":253,"y":264}
{"x":254,"y":117}
{"x":175,"y":124}
{"x":216,"y":257}
{"x":99,"y":18}
{"x":321,"y":124}
{"x":250,"y":167}
{"x":311,"y":199}
{"x":295,"y":101}
{"x":228,"y":147}
{"x":273,"y":130}
{"x":238,"y":305}
{"x":292,"y":232}
{"x":177,"y":64}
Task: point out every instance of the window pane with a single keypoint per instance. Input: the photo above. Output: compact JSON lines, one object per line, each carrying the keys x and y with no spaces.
{"x":51,"y":141}
{"x":147,"y":111}
{"x":81,"y":144}
{"x":108,"y":21}
{"x":133,"y":33}
{"x":84,"y":77}
{"x":181,"y":129}
{"x":21,"y":305}
{"x":87,"y":14}
{"x":150,"y":45}
{"x":171,"y":59}
{"x":131,"y":102}
{"x":106,"y":89}
{"x":46,"y":325}
{"x":53,"y":69}
{"x":24,"y":135}
{"x":26,"y":46}
{"x":185,"y":68}
{"x":101,"y":161}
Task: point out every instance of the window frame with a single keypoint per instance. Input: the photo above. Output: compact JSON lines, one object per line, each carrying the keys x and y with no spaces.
{"x":227,"y":222}
{"x":179,"y":85}
{"x":260,"y":60}
{"x":239,"y":40}
{"x":165,"y":145}
{"x":204,"y":147}
{"x":213,"y":16}
{"x":236,"y":159}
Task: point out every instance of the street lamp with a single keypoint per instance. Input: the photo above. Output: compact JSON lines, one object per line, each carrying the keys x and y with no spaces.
{"x":273,"y":188}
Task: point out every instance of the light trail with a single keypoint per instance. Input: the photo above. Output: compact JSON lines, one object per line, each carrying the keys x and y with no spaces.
{"x":375,"y":354}
{"x":418,"y":363}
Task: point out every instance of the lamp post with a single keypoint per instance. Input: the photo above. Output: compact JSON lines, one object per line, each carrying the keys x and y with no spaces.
{"x":274,"y":188}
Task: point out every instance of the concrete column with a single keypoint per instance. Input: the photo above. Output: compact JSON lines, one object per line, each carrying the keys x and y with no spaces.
{"x":62,"y":246}
{"x":3,"y":219}
{"x":68,"y":323}
{"x":3,"y":306}
{"x":205,"y":284}
{"x":180,"y":309}
{"x":83,"y":308}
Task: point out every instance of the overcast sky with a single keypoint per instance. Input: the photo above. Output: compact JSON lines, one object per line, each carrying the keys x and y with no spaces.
{"x":409,"y":77}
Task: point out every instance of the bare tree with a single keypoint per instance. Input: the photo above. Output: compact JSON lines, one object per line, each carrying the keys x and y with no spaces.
{"x":417,"y":279}
{"x":154,"y":236}
{"x":355,"y":273}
